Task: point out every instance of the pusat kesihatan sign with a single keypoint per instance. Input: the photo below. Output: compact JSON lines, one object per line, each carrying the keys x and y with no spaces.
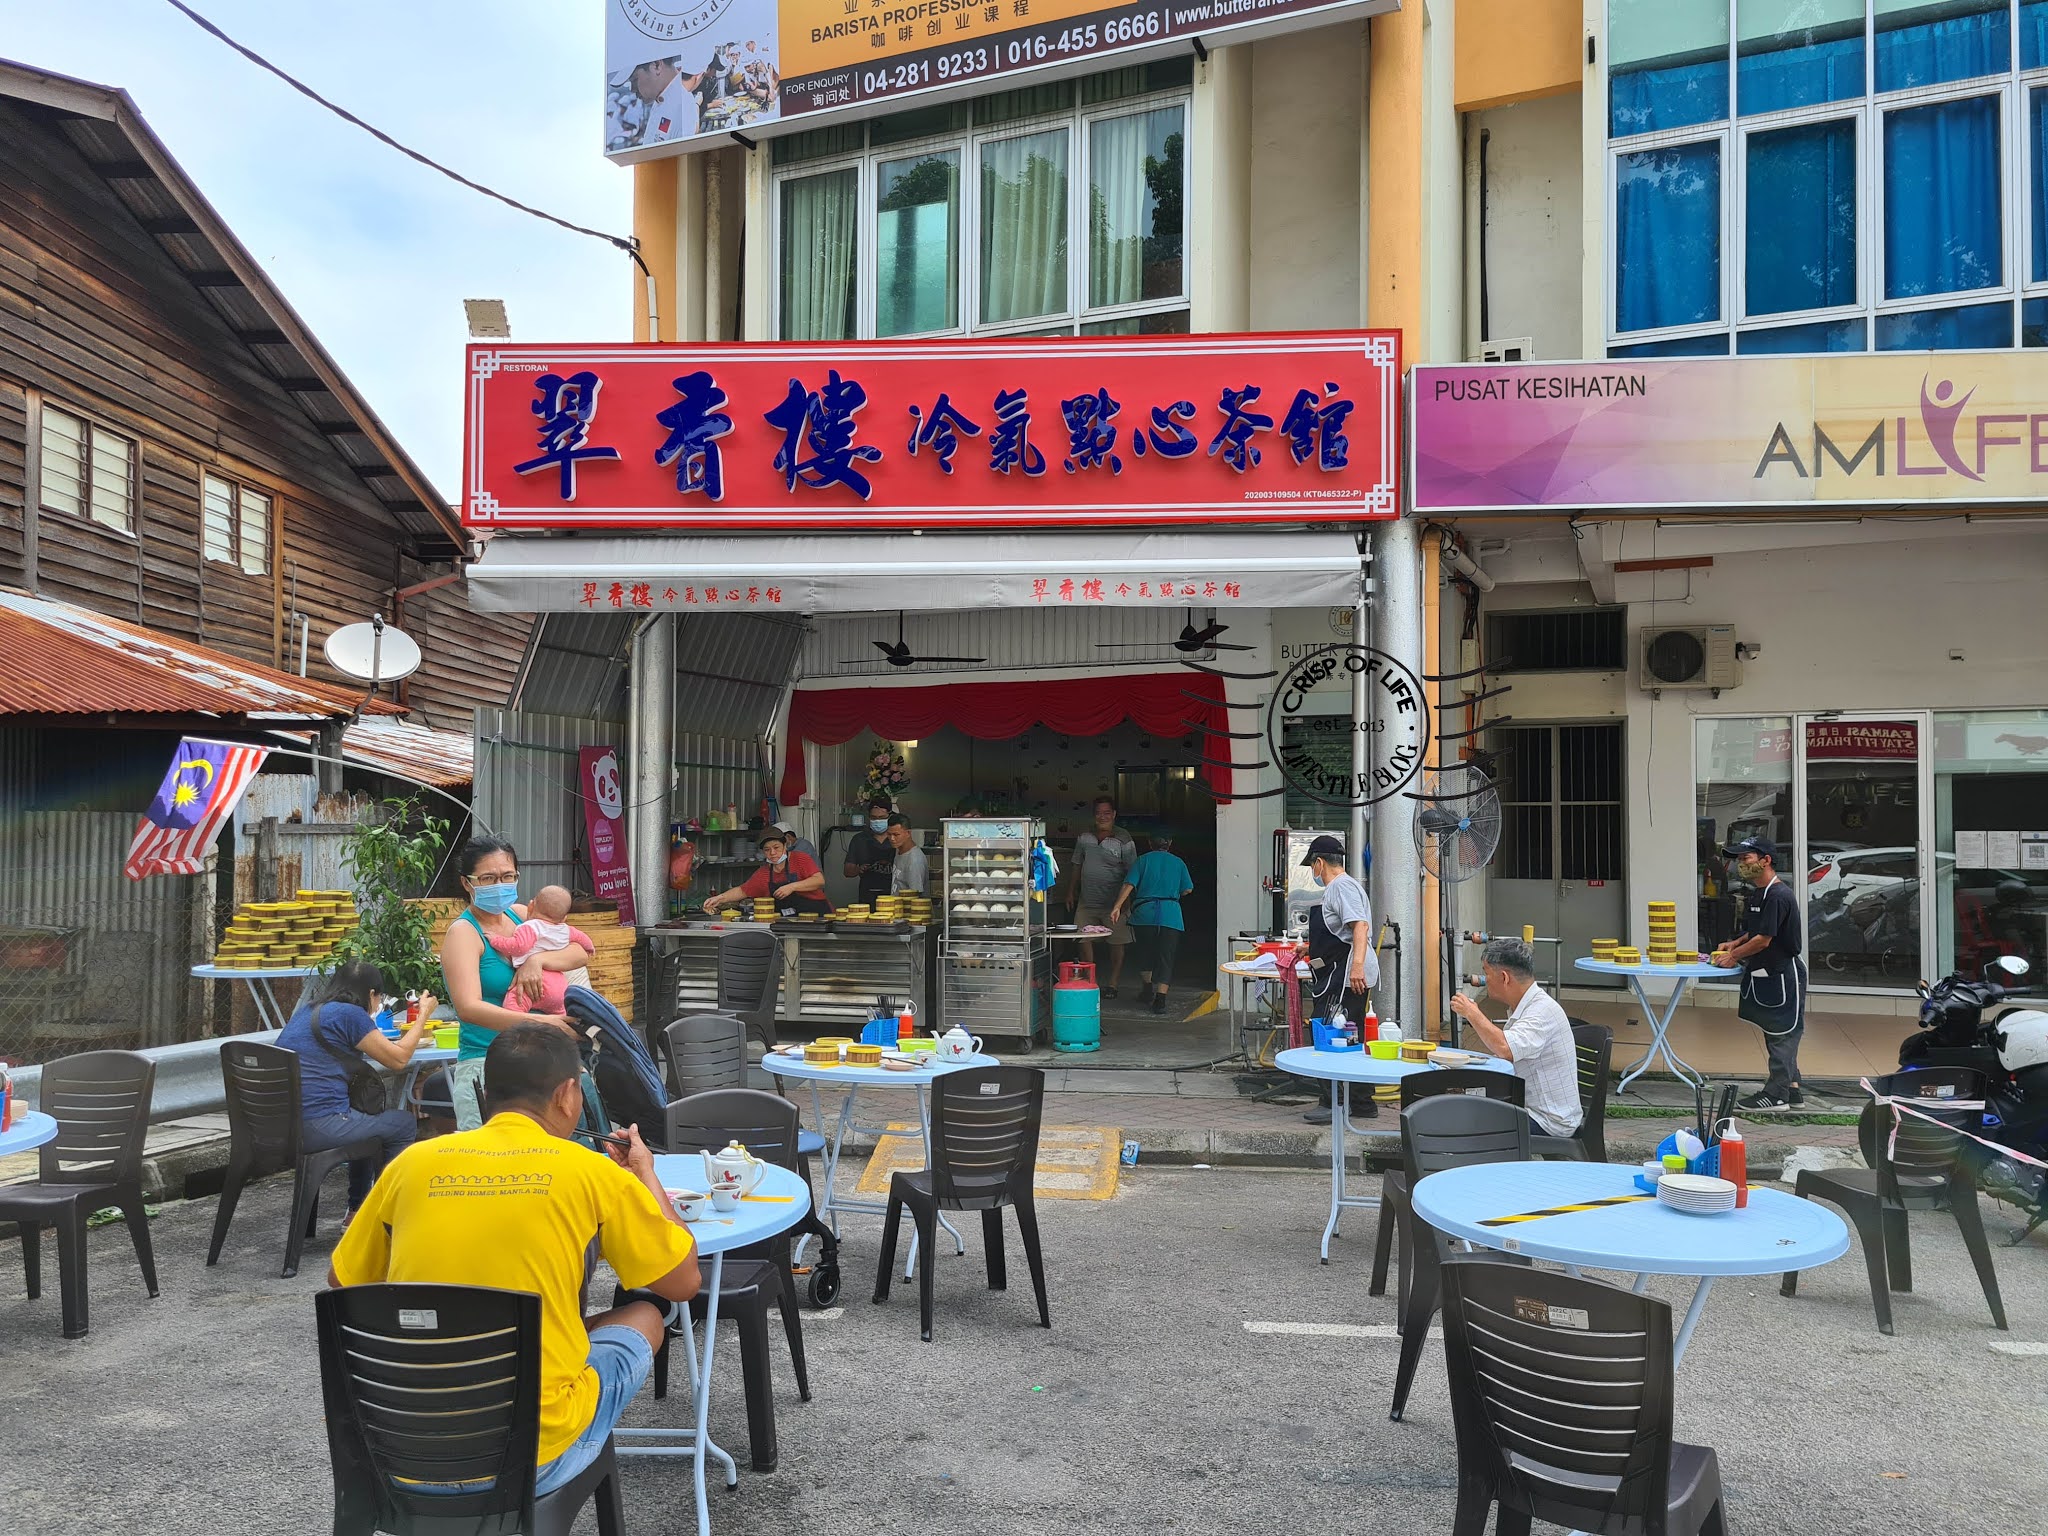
{"x":1876,"y":430}
{"x":683,"y":70}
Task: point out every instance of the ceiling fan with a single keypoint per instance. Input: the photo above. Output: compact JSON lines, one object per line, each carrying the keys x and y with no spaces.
{"x":897,"y":653}
{"x":1192,"y":640}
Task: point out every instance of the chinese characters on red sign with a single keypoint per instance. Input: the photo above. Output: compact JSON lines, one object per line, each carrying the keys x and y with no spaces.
{"x":1281,"y":428}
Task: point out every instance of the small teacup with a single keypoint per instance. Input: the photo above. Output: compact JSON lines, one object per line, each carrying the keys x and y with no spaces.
{"x":725,"y":1198}
{"x":690,"y":1204}
{"x":1653,"y":1170}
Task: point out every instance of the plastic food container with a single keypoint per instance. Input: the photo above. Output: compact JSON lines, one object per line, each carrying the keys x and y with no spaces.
{"x":1384,"y":1050}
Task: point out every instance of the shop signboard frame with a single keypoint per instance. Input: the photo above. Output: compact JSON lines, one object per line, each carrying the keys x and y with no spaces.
{"x":683,"y":75}
{"x":1299,"y":428}
{"x":1846,"y":434}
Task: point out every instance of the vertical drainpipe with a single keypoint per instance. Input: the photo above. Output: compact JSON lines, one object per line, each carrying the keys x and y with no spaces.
{"x":650,"y":753}
{"x":1396,"y":868}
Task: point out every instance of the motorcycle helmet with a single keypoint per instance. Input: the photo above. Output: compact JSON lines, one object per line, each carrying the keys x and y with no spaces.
{"x":2022,"y":1040}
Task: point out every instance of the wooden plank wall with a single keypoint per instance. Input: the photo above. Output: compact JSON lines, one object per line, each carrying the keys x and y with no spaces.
{"x":98,"y":320}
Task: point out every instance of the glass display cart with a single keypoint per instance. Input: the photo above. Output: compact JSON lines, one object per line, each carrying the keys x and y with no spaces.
{"x":992,"y":969}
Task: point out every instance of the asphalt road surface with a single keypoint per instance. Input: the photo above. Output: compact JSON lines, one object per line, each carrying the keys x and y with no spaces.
{"x":1148,"y":1407}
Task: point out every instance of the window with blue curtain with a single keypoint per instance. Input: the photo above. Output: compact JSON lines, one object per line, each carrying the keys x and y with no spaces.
{"x":1667,"y":237}
{"x":1919,"y":43}
{"x":1943,"y":199}
{"x":1971,"y":328}
{"x":1814,"y":336}
{"x":2037,"y":186}
{"x":1667,"y":64}
{"x":1799,"y":240}
{"x":2033,"y":33}
{"x":1715,"y":345}
{"x":1797,"y":53}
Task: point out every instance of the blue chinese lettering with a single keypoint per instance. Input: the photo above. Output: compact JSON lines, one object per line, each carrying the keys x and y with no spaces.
{"x":940,"y":431}
{"x":1317,"y":427}
{"x":1009,"y":444}
{"x":822,"y":421}
{"x":1091,"y":431}
{"x":1233,"y":440}
{"x":565,"y":409}
{"x":1170,"y":440}
{"x":695,"y":424}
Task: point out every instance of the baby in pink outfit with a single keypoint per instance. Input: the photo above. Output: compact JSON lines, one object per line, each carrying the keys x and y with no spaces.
{"x":545,"y":930}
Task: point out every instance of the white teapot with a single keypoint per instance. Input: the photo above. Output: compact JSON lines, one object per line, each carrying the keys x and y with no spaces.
{"x":957,"y":1045}
{"x":734,"y":1168}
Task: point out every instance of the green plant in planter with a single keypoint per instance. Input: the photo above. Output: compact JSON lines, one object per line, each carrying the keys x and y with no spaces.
{"x":394,"y":857}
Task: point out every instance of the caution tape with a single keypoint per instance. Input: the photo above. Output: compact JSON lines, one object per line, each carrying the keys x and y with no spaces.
{"x":1563,"y":1210}
{"x":1900,"y":1107}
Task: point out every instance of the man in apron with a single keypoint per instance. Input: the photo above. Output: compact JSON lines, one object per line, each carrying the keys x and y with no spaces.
{"x":1341,"y":956}
{"x":1766,"y":947}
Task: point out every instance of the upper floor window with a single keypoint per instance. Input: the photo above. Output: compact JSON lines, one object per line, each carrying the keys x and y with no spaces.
{"x":1051,"y":209}
{"x":1827,"y":175}
{"x":86,"y":471}
{"x":236,"y":524}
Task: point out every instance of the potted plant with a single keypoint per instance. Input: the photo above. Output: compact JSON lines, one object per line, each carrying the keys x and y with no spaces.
{"x":394,"y":854}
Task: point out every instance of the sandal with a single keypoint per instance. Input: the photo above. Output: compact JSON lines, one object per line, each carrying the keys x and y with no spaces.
{"x":1108,"y":992}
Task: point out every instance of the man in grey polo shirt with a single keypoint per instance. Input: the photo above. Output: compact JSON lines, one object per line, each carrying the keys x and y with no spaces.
{"x":1103,"y":856}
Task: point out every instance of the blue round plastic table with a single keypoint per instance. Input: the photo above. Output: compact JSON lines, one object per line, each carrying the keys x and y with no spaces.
{"x":30,"y":1130}
{"x":777,"y":1203}
{"x":258,"y":979}
{"x":1341,"y":1069}
{"x":1775,"y":1233}
{"x":1660,"y":1019}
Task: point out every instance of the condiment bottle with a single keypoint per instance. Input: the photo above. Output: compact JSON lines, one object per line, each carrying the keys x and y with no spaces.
{"x":1735,"y":1166}
{"x":1369,"y":1026}
{"x":906,"y":1021}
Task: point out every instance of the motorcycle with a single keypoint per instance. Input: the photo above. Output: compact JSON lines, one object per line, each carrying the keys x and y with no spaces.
{"x":2011,"y":1052}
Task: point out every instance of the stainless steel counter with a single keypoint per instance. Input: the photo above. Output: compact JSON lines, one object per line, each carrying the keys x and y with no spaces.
{"x":830,"y":979}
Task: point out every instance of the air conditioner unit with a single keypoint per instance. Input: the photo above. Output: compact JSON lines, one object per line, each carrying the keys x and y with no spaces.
{"x":1699,"y":656}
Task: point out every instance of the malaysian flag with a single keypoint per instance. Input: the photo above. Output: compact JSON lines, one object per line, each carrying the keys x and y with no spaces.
{"x":198,"y":794}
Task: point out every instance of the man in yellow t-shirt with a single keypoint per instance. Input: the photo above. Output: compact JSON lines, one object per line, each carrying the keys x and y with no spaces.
{"x":514,"y":1204}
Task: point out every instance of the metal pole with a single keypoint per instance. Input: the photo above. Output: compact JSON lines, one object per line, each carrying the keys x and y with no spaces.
{"x":1396,"y":870}
{"x":650,"y":747}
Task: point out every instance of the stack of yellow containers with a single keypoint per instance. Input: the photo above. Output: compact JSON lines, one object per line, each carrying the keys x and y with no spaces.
{"x":287,"y":935}
{"x":1663,"y":949}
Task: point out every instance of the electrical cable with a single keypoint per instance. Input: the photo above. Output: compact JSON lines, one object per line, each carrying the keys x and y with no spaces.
{"x":626,"y":243}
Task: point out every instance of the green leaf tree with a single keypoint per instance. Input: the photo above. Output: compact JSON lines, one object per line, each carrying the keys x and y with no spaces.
{"x":394,"y":855}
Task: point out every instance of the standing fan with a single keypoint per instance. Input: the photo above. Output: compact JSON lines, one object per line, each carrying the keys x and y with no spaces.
{"x":1457,"y":830}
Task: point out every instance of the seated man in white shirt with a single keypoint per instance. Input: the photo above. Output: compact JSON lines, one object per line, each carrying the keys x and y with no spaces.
{"x":1536,"y":1036}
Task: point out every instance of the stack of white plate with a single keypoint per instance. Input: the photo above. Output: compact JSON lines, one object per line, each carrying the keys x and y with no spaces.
{"x":1696,"y":1194}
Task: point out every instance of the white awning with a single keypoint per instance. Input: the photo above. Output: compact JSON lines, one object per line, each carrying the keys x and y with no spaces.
{"x":857,"y":573}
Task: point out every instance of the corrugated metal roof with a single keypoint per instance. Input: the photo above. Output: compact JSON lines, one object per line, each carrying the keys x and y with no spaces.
{"x":444,"y":759}
{"x":731,"y":668}
{"x":57,"y":659}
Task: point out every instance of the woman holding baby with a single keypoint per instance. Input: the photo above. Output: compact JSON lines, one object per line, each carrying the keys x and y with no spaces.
{"x":498,"y":965}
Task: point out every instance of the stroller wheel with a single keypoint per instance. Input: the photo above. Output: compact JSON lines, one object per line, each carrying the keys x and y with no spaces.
{"x":824,"y":1287}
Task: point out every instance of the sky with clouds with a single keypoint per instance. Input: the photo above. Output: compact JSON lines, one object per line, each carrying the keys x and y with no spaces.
{"x":376,"y":252}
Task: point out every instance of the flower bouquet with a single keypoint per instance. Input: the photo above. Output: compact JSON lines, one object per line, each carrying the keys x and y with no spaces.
{"x":886,"y":774}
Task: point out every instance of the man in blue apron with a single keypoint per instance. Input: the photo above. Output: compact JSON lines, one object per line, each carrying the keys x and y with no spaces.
{"x":1340,"y":950}
{"x":1766,"y":948}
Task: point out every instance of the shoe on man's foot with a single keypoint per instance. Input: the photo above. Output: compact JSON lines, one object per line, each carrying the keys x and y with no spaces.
{"x":1159,"y":1002}
{"x":1109,"y":993}
{"x":1795,"y":1098}
{"x":1764,"y":1099}
{"x":1317,"y":1116}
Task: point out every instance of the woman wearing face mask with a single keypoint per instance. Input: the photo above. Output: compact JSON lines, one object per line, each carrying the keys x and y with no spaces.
{"x":479,"y":977}
{"x":793,"y":881}
{"x":869,"y":858}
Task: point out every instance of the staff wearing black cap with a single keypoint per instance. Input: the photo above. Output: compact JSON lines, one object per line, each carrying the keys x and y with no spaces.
{"x":1340,"y":949}
{"x":1766,"y":946}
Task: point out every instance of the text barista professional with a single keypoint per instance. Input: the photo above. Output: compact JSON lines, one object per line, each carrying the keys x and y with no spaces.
{"x":791,"y":879}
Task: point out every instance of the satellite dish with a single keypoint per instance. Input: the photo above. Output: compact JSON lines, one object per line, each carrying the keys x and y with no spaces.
{"x":372,"y":653}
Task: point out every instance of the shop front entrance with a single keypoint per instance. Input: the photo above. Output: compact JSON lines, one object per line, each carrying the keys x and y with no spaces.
{"x":1562,"y":855}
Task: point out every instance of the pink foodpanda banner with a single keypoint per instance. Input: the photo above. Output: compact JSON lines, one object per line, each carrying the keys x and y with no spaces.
{"x":604,"y":818}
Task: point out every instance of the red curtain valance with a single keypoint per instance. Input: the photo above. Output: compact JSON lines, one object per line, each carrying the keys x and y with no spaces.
{"x":1077,"y":706}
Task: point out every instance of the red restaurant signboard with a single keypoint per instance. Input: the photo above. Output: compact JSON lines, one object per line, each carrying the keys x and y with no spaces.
{"x":1283,"y":428}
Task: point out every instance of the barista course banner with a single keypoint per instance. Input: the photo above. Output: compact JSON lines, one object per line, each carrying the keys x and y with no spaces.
{"x":677,"y":70}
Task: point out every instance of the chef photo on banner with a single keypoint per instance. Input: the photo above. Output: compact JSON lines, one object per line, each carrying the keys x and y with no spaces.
{"x":678,"y":69}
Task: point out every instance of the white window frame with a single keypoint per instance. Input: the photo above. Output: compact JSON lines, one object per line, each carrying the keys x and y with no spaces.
{"x":239,"y":559}
{"x":92,"y":428}
{"x":1078,"y":122}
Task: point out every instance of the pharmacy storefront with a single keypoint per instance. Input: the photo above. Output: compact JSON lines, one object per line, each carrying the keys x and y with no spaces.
{"x":1797,"y":598}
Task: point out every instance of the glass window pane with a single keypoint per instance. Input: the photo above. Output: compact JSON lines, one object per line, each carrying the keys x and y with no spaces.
{"x":1667,"y":239}
{"x":1743,"y":772}
{"x":1942,"y":194}
{"x":1026,"y":101}
{"x":255,"y":533}
{"x":1985,"y":781}
{"x":1714,"y":345}
{"x":1135,"y":184}
{"x":219,"y":498}
{"x":1924,"y":42}
{"x":113,"y":480}
{"x":1173,"y":322}
{"x":63,"y":463}
{"x":817,"y":143}
{"x":2037,"y":191}
{"x":1024,"y":227}
{"x":820,"y":238}
{"x":917,"y":244}
{"x":1863,"y":906}
{"x":920,"y":123}
{"x":1667,"y":64}
{"x":2033,"y":33}
{"x":2034,"y":323}
{"x":1799,"y":231}
{"x":1971,"y":328}
{"x":1819,"y":336}
{"x":1797,"y":53}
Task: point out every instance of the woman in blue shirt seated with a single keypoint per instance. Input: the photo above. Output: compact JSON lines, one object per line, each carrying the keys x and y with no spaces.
{"x":1152,"y":891}
{"x":334,"y":1031}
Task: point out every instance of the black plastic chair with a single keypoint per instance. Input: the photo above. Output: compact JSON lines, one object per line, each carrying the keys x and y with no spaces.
{"x":1416,"y":1086}
{"x":985,"y":1124}
{"x":262,"y":1083}
{"x":1561,"y":1393}
{"x":440,"y":1384}
{"x":100,"y":1101}
{"x":1594,"y":1044}
{"x":765,"y":1124}
{"x":1444,"y":1131}
{"x":750,"y":978}
{"x":1923,"y":1168}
